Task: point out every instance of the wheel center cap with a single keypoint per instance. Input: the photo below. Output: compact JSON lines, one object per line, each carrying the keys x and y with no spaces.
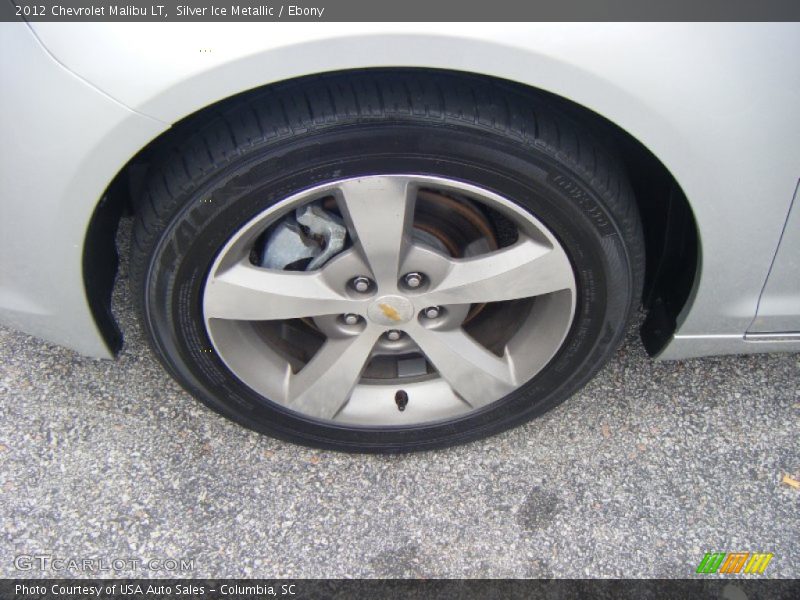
{"x":391,"y":310}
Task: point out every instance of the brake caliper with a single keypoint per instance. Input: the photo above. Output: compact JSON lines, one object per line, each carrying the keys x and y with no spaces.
{"x":310,"y":233}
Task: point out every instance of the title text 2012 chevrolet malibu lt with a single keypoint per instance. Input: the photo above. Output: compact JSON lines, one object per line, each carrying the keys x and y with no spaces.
{"x":394,"y":237}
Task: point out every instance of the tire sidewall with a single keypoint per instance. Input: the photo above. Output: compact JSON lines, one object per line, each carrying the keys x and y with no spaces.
{"x":211,"y":210}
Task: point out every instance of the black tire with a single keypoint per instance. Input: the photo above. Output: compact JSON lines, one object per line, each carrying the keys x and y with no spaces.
{"x":234,"y":160}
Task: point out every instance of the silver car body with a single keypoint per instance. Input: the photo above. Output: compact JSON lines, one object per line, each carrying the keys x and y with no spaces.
{"x":717,"y":104}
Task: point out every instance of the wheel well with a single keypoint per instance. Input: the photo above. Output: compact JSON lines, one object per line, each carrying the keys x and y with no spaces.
{"x":671,"y":238}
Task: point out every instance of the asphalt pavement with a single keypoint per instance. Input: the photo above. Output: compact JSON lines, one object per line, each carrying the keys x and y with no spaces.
{"x":639,"y":475}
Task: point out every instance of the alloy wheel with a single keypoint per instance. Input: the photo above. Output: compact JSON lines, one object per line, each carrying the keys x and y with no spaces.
{"x":440,"y":299}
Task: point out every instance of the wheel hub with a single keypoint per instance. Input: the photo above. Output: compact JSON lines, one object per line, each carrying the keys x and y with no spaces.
{"x":391,"y":310}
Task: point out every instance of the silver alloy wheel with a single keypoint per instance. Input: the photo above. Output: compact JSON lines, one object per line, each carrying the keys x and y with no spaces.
{"x":441,"y":369}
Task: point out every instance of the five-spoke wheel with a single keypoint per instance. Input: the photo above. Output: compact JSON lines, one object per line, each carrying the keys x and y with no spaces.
{"x":393,"y":310}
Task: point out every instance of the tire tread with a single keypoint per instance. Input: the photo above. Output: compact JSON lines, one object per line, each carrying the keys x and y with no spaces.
{"x":214,"y":139}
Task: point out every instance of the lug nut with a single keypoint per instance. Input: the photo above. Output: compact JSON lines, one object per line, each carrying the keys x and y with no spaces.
{"x":393,"y":335}
{"x":361,"y":284}
{"x":413,"y":280}
{"x":350,"y":318}
{"x":432,"y":312}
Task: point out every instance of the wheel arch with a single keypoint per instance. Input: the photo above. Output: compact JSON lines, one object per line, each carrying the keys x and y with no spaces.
{"x":671,"y":233}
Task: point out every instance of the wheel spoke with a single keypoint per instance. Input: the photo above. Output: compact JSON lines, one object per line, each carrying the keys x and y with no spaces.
{"x":474,"y":373}
{"x":246,"y":292}
{"x":522,"y":270}
{"x":324,"y":385}
{"x":379,"y":212}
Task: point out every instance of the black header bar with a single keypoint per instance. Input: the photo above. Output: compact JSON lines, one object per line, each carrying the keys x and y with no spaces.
{"x":405,"y":10}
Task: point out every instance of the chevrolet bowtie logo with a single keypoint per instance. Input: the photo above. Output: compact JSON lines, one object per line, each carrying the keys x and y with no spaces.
{"x":390,"y":312}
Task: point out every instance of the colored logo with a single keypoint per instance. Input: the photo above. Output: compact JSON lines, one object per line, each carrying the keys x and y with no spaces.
{"x":390,"y":312}
{"x":735,"y":562}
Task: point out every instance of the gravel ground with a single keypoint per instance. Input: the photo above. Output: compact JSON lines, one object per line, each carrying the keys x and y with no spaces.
{"x":640,"y":474}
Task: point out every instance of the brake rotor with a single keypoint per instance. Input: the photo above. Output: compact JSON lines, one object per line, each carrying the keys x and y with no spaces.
{"x":461,"y":228}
